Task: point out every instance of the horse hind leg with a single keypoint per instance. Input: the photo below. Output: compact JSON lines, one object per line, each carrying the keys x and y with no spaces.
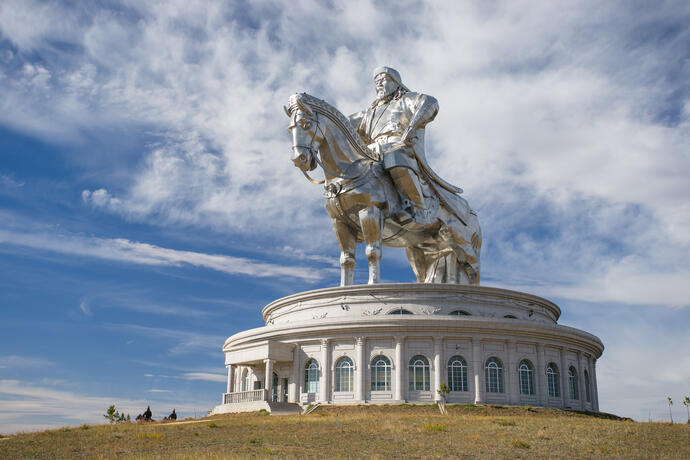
{"x":372,"y":228}
{"x":347,"y":242}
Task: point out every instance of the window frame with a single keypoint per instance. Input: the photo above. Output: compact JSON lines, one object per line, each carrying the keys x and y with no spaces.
{"x":344,"y":379}
{"x":493,"y":374}
{"x":311,"y":367}
{"x":416,"y":370}
{"x":526,"y":377}
{"x":454,"y":370}
{"x":553,"y":378}
{"x":377,"y":370}
{"x":573,"y":384}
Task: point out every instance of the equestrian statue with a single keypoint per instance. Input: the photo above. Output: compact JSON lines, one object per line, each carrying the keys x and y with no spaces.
{"x":379,"y":187}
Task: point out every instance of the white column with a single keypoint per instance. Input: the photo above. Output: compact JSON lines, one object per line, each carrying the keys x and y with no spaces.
{"x":325,"y":371}
{"x":581,"y":381}
{"x":293,"y":387}
{"x":542,"y":387}
{"x":510,"y":373}
{"x":595,"y":393}
{"x":477,"y":368}
{"x":231,"y":374}
{"x":565,"y":387}
{"x":268,"y":378}
{"x":399,"y":366}
{"x":438,"y":347}
{"x":361,"y":369}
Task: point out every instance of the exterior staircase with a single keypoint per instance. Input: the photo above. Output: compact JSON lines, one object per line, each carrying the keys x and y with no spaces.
{"x":280,"y":408}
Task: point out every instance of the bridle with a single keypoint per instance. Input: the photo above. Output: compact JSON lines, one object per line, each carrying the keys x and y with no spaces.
{"x":315,"y":154}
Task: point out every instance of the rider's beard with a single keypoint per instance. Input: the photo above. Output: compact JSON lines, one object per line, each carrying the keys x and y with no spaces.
{"x":386,"y":98}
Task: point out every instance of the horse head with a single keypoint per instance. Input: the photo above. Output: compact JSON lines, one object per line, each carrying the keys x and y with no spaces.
{"x":306,"y":135}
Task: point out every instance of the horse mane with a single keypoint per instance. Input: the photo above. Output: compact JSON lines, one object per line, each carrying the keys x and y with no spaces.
{"x":336,"y":116}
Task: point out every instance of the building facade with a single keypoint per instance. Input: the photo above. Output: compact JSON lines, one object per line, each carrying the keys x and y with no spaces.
{"x":397,"y":343}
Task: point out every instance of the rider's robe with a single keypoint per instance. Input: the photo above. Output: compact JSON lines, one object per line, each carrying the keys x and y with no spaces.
{"x":382,"y":126}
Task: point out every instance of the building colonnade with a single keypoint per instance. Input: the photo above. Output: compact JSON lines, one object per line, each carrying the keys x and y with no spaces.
{"x":478,"y":369}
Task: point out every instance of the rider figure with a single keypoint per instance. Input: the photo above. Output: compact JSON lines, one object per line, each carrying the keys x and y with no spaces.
{"x":394,"y":128}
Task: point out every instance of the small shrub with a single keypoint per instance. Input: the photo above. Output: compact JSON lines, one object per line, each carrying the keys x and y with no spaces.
{"x":264,"y":412}
{"x":268,"y":451}
{"x":213,"y":425}
{"x":255,"y":441}
{"x":114,"y":416}
{"x":436,"y":427}
{"x":520,"y":444}
{"x":84,"y":427}
{"x":196,"y":433}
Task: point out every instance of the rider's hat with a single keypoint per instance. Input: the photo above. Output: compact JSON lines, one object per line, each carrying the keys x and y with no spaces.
{"x":391,"y":72}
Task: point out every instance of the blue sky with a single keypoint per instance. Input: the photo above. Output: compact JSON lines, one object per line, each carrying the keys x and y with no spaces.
{"x":148,"y":207}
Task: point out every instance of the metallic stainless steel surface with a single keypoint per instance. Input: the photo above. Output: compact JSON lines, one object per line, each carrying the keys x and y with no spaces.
{"x":379,"y":187}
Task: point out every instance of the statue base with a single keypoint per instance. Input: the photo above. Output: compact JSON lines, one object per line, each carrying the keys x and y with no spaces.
{"x":396,"y":343}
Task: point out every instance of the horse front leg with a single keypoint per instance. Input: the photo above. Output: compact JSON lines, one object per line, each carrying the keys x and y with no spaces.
{"x":347,"y":242}
{"x":372,"y":228}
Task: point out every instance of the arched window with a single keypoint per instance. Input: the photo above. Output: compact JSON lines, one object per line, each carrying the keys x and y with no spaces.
{"x":380,"y":374}
{"x":587,"y":390}
{"x":552,"y":379}
{"x":494,"y":376}
{"x":572,"y":383}
{"x":311,"y":376}
{"x":419,"y":373}
{"x":457,"y":374}
{"x":400,"y":311}
{"x":526,"y":377}
{"x":460,"y":313}
{"x":344,"y":374}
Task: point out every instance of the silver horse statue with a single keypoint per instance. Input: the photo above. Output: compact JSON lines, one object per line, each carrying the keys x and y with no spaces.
{"x":442,"y":246}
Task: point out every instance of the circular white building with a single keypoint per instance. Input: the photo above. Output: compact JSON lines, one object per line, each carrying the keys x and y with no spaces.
{"x":397,"y":343}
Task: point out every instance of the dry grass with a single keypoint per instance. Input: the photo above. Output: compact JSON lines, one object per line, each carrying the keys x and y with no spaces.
{"x":368,"y":431}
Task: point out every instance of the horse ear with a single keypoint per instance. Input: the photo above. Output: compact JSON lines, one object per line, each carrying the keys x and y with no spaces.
{"x":287,"y":112}
{"x":304,"y":108}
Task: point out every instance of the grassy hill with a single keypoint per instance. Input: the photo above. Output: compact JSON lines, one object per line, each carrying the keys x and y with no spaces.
{"x":367,"y":431}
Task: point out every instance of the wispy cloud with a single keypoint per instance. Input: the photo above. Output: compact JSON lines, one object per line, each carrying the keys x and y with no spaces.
{"x":123,"y":250}
{"x":16,"y":361}
{"x":206,"y":376}
{"x":84,"y":307}
{"x":27,"y":407}
{"x":184,"y":341}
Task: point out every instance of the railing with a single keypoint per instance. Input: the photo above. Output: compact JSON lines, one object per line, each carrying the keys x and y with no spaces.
{"x":244,"y":396}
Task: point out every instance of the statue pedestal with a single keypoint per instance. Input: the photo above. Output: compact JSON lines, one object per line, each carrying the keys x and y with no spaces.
{"x":394,"y":343}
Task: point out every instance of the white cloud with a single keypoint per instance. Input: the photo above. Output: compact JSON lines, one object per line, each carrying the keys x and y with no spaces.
{"x":28,"y":407}
{"x":16,"y":361}
{"x":206,"y":376}
{"x":182,"y":341}
{"x":123,"y":250}
{"x":85,"y":308}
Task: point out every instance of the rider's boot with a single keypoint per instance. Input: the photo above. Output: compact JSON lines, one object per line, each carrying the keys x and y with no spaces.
{"x":410,"y":191}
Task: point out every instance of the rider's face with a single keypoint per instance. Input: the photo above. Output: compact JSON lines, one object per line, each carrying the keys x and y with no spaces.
{"x":385,"y":85}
